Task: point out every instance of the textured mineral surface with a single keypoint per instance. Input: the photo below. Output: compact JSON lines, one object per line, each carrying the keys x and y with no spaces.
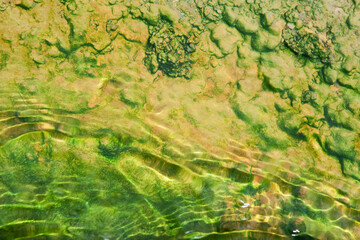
{"x":180,"y":119}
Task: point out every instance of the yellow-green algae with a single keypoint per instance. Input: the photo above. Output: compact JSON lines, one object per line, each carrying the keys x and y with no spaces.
{"x":157,"y":119}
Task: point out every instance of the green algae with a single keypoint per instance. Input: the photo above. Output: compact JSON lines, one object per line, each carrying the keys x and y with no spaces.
{"x":169,"y":51}
{"x":179,"y":120}
{"x":226,"y":38}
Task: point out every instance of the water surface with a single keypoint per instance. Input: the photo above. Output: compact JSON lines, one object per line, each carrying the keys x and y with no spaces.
{"x":179,"y":119}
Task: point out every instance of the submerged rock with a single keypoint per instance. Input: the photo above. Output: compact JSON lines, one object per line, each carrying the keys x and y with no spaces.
{"x":226,"y":38}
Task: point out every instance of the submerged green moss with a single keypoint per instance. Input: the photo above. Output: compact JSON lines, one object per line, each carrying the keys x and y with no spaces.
{"x":259,"y":141}
{"x":169,"y":51}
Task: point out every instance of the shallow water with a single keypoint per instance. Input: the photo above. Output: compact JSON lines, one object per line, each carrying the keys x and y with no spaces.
{"x":179,"y":120}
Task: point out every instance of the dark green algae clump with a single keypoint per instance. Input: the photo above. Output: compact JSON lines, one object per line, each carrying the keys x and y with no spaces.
{"x":302,"y":37}
{"x":169,"y":51}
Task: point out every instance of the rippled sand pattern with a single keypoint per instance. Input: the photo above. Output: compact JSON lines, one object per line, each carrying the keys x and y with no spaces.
{"x":193,"y":119}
